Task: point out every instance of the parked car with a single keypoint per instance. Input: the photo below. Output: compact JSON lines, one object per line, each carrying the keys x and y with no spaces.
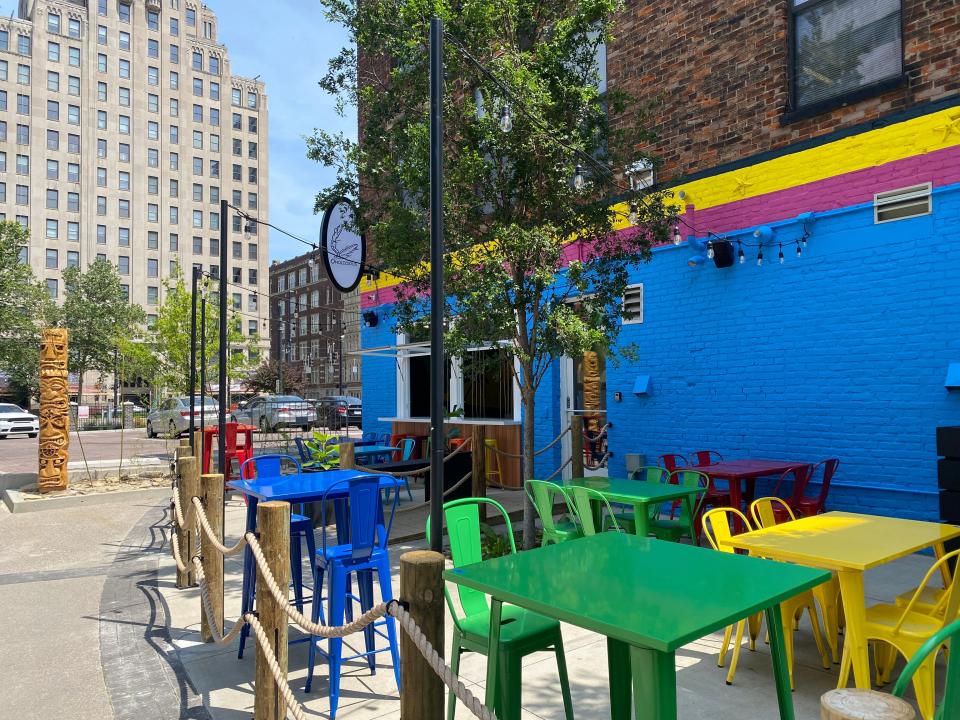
{"x":172,"y":416}
{"x":271,"y":412}
{"x":340,"y":411}
{"x":14,"y":419}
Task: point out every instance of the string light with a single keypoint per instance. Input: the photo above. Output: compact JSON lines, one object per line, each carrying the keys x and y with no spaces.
{"x":634,"y":211}
{"x":781,"y":254}
{"x":760,"y":257}
{"x":506,"y":119}
{"x":710,"y":253}
{"x":578,"y":179}
{"x":740,"y":255}
{"x":799,"y":251}
{"x":677,"y":238}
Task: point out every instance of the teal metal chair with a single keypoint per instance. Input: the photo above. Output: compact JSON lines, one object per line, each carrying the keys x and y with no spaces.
{"x":522,"y":632}
{"x":950,"y":705}
{"x":543,"y":495}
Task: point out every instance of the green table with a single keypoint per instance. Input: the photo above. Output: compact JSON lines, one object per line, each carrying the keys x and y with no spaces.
{"x":649,"y":598}
{"x":641,"y":495}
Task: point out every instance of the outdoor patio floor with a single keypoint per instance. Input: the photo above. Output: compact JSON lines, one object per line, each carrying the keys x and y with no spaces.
{"x":226,"y":682}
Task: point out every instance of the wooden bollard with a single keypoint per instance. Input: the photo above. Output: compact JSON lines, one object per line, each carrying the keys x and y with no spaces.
{"x":198,"y":447}
{"x":853,"y":704}
{"x":211,"y":493}
{"x":183,"y":576}
{"x":190,"y":487}
{"x":273,"y":521}
{"x":421,"y":586}
{"x":576,"y":446}
{"x":478,"y":466}
{"x":347,"y":459}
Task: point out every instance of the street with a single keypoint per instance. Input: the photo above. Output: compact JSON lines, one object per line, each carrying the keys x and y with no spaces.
{"x":20,"y":452}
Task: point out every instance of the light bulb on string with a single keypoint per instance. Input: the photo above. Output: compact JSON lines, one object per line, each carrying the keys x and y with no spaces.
{"x":677,"y":238}
{"x":710,"y":252}
{"x":506,"y":119}
{"x":803,"y":240}
{"x":799,"y":251}
{"x":780,"y":257}
{"x":740,"y":256}
{"x":634,"y":210}
{"x":578,"y":178}
{"x":760,"y":258}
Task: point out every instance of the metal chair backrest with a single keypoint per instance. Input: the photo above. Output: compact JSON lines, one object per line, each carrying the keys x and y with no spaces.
{"x":367,"y":530}
{"x":651,"y":473}
{"x":543,"y":496}
{"x":383,"y":438}
{"x":462,"y":518}
{"x":267,"y":466}
{"x":406,"y":448}
{"x":829,"y":469}
{"x":229,"y":435}
{"x":706,"y":457}
{"x":950,"y":705}
{"x":949,"y":601}
{"x":582,"y":499}
{"x":799,"y":476}
{"x":763,"y":513}
{"x":688,"y":477}
{"x":716,"y":527}
{"x":302,"y":450}
{"x":672,"y":461}
{"x":369,"y":437}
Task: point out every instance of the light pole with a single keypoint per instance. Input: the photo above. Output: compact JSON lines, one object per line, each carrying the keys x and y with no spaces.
{"x":340,"y":358}
{"x":203,"y":356}
{"x":193,"y":350}
{"x":223,"y":349}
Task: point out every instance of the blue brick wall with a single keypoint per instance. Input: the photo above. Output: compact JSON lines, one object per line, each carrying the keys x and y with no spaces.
{"x":840,"y":353}
{"x":379,"y":374}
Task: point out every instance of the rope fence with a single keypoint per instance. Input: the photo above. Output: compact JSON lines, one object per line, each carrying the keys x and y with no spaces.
{"x":206,"y":540}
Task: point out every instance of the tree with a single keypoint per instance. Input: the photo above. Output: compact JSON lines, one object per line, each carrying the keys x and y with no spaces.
{"x":168,"y":340}
{"x":99,"y":316}
{"x":25,"y":306}
{"x":264,"y":378}
{"x":528,"y":209}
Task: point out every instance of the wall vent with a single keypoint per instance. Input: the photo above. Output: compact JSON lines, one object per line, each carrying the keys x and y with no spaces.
{"x":903,"y":203}
{"x":633,"y":305}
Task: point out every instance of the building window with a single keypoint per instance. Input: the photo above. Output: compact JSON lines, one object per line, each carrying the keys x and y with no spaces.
{"x":215,"y":143}
{"x":198,"y":139}
{"x":198,"y":166}
{"x":153,"y":48}
{"x":191,"y":17}
{"x":53,"y":52}
{"x":174,"y":80}
{"x":153,"y":76}
{"x":153,"y":293}
{"x":102,"y":63}
{"x":197,"y":60}
{"x":73,"y":55}
{"x":124,"y":97}
{"x":252,"y":175}
{"x":153,"y":103}
{"x":215,"y":117}
{"x":153,"y":19}
{"x":53,"y":232}
{"x":174,"y":26}
{"x":252,"y":124}
{"x":73,"y":28}
{"x":73,"y":235}
{"x":73,"y":114}
{"x":101,"y":205}
{"x":237,"y":121}
{"x":123,"y":237}
{"x":236,"y":97}
{"x":174,"y":107}
{"x":101,"y":91}
{"x":123,"y":12}
{"x":101,"y":34}
{"x":124,"y":40}
{"x":197,"y":245}
{"x":125,"y":69}
{"x":23,"y":104}
{"x":73,"y":143}
{"x":214,"y":65}
{"x":73,"y":202}
{"x":198,"y":113}
{"x":101,"y":148}
{"x":153,"y":130}
{"x":214,"y":168}
{"x":73,"y":86}
{"x":174,"y":188}
{"x":124,"y":152}
{"x":841,"y":47}
{"x":198,"y":87}
{"x":23,"y":44}
{"x":23,"y":134}
{"x":123,"y":181}
{"x":214,"y":91}
{"x":52,"y":288}
{"x":23,"y":74}
{"x":123,"y":208}
{"x":123,"y":264}
{"x":53,"y":82}
{"x":174,"y":242}
{"x":153,"y":157}
{"x":101,"y":234}
{"x":174,"y":215}
{"x":101,"y":119}
{"x":124,"y":125}
{"x":153,"y":268}
{"x":23,"y":164}
{"x":153,"y":213}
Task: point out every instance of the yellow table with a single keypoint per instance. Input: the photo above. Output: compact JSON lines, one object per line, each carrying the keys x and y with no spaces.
{"x":847,"y":543}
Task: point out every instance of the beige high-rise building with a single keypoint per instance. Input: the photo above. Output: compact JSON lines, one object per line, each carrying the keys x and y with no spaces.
{"x":121,"y":127}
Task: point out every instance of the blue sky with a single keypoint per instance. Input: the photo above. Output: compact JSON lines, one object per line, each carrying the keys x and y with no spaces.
{"x":287,"y":43}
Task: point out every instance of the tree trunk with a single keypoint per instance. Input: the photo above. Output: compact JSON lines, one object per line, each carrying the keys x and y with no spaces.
{"x":528,"y":395}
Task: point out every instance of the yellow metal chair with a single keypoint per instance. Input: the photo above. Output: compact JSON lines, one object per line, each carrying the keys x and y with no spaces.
{"x":895,"y":629}
{"x":716,"y":526}
{"x":492,"y":460}
{"x":765,"y":512}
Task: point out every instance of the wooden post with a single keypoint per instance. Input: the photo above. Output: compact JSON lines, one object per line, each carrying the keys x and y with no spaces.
{"x":576,"y":445}
{"x":478,"y":469}
{"x":347,"y":459}
{"x":183,"y":577}
{"x":54,"y":443}
{"x":211,"y":492}
{"x":421,"y":585}
{"x":198,"y":447}
{"x":853,"y":704}
{"x":273,"y":520}
{"x":190,"y":488}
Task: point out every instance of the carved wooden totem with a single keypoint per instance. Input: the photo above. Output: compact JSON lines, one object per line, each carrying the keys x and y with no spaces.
{"x":54,"y":411}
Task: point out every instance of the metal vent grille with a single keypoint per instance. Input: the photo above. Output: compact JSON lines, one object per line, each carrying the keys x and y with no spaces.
{"x":903,"y":203}
{"x":633,"y":305}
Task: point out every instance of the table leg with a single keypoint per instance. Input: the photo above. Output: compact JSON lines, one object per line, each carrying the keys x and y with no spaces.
{"x":854,"y":603}
{"x":493,"y":653}
{"x":641,"y":519}
{"x":750,"y":492}
{"x":736,"y":502}
{"x":691,"y":525}
{"x":618,"y":667}
{"x":654,"y":684}
{"x":778,"y":654}
{"x":249,"y":573}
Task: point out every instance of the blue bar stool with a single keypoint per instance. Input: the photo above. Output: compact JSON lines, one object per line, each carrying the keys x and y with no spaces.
{"x":364,"y":553}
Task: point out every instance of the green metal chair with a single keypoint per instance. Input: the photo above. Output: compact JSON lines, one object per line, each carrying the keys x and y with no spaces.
{"x":668,"y":528}
{"x":589,"y":504}
{"x":522,"y":632}
{"x":544,"y":495}
{"x":950,"y":705}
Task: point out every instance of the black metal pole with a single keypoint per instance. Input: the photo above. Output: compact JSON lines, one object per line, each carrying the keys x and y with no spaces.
{"x":340,"y":357}
{"x":193,"y":352}
{"x":437,"y":365}
{"x":203,"y":361}
{"x":222,"y":349}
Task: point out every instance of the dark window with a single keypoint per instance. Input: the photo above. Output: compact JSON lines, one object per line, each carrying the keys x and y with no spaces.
{"x":842,"y":46}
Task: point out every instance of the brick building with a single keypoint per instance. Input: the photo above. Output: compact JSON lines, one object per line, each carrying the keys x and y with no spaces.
{"x":314,"y":326}
{"x":822,"y":132}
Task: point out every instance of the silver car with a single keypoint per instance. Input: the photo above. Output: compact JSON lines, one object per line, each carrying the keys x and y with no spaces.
{"x":14,"y":419}
{"x":271,"y":412}
{"x":172,"y":416}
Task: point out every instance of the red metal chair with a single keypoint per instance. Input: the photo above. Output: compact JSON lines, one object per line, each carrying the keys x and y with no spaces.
{"x":714,"y":497}
{"x":672,"y":462}
{"x":805,"y":505}
{"x":798,"y":476}
{"x":706,"y":457}
{"x":232,"y":451}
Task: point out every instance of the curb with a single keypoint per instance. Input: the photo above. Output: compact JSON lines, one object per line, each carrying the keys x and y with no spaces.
{"x":17,"y":504}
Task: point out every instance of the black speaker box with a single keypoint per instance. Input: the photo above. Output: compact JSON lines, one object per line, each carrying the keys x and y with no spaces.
{"x":722,"y":253}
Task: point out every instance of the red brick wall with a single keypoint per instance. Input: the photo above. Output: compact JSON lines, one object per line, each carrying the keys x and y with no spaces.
{"x":722,"y":70}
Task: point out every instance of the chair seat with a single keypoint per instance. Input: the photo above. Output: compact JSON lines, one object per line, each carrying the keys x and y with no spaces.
{"x":517,"y":626}
{"x":929,"y":598}
{"x":717,"y":497}
{"x":343,"y":554}
{"x":917,"y":626}
{"x":300,"y":520}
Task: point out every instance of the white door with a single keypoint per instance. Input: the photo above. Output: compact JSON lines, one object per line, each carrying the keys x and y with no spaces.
{"x":583,"y":391}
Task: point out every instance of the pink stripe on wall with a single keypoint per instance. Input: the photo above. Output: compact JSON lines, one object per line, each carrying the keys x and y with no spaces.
{"x":941,"y":167}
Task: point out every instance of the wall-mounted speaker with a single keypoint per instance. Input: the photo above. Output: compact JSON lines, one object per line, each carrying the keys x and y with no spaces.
{"x":722,"y":253}
{"x":370,"y":318}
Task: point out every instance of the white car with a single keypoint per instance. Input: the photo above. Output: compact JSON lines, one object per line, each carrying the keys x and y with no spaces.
{"x":14,"y":419}
{"x":172,"y":416}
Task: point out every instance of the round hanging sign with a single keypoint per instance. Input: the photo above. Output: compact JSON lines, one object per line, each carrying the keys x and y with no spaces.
{"x":344,"y":250}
